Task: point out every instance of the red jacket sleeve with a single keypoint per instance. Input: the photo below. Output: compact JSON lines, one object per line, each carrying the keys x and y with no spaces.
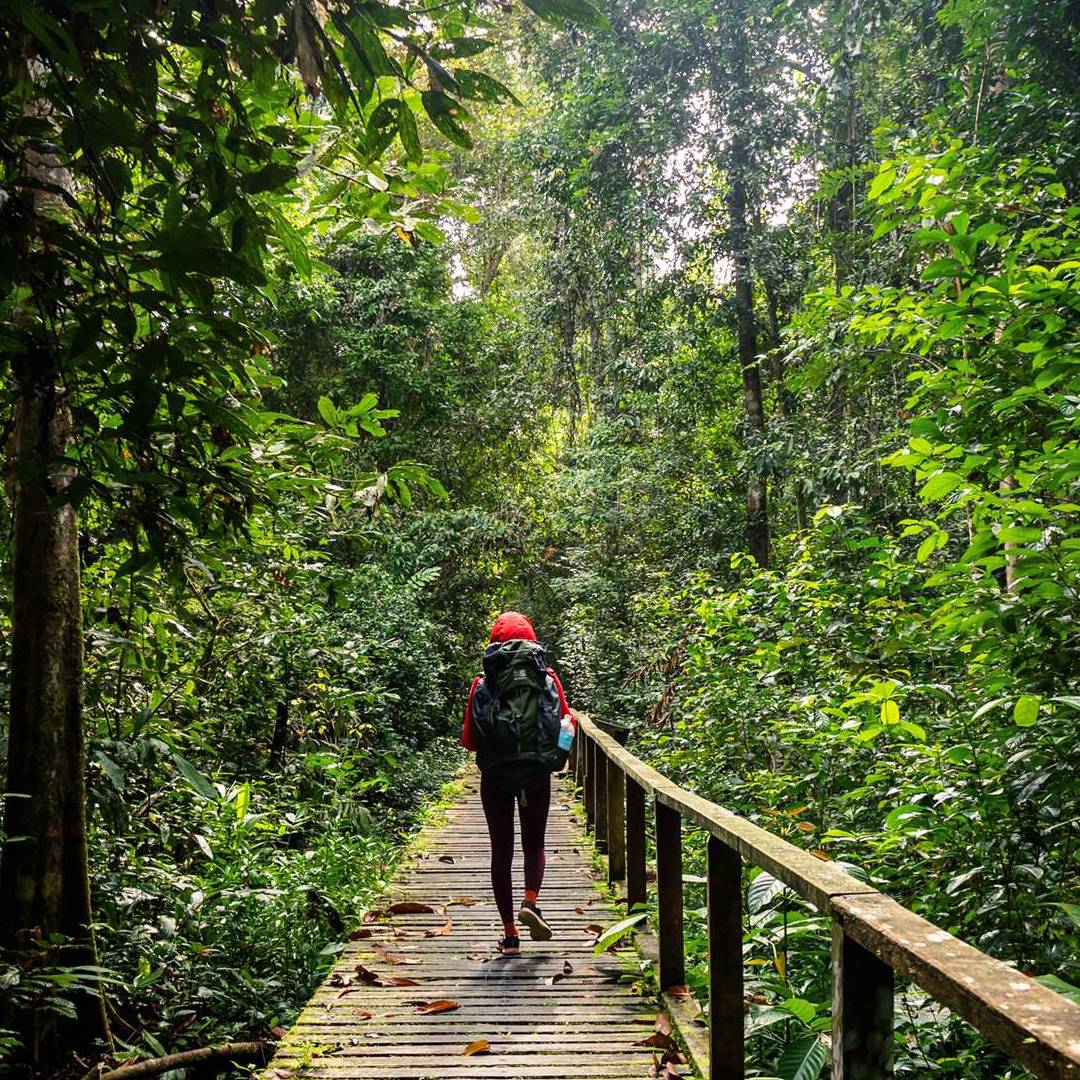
{"x":564,"y":709}
{"x":468,"y":739}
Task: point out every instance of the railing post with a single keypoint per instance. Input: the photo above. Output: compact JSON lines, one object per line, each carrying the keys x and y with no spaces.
{"x":636,"y":888}
{"x":669,"y":895}
{"x":862,"y":1032}
{"x":616,"y":822}
{"x":726,"y":1060}
{"x":589,"y":785}
{"x":600,"y":796}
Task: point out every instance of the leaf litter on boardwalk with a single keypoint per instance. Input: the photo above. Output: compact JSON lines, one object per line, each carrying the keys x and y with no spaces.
{"x":440,"y":1006}
{"x":478,"y":1046}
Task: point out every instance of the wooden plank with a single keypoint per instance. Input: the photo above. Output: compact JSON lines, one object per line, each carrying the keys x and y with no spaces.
{"x":636,"y":886}
{"x":1039,"y":1028}
{"x":600,"y":797}
{"x":669,"y":886}
{"x":725,"y":962}
{"x":616,"y":824}
{"x":590,"y":778}
{"x":862,"y":1020}
{"x":585,"y":1023}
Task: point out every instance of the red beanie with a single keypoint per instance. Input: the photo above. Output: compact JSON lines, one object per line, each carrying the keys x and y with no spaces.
{"x":512,"y":626}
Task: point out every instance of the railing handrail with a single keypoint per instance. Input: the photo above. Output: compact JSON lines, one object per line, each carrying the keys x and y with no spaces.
{"x":872,"y":934}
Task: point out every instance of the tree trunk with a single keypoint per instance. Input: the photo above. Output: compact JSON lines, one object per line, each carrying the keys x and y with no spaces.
{"x":44,"y":878}
{"x":757,"y":517}
{"x":281,"y":733}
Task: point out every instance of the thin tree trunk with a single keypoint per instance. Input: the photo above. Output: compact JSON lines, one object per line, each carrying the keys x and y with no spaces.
{"x":1008,"y":484}
{"x":44,"y":877}
{"x":757,"y":517}
{"x":281,"y":733}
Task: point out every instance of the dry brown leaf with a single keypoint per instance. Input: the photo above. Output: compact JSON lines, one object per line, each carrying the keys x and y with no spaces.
{"x":360,"y":934}
{"x":461,"y":901}
{"x":396,"y":980}
{"x":444,"y":929}
{"x":819,"y":854}
{"x":410,"y":907}
{"x":440,"y":1006}
{"x":580,"y":910}
{"x":482,"y":957}
{"x":663,"y":1024}
{"x":805,"y":826}
{"x":595,"y":929}
{"x":659,"y":1039}
{"x":393,"y":959}
{"x":480,"y":1046}
{"x":367,"y":975}
{"x":446,"y":858}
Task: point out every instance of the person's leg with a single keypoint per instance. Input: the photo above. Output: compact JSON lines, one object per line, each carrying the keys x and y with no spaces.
{"x":534,"y":815}
{"x":499,"y":810}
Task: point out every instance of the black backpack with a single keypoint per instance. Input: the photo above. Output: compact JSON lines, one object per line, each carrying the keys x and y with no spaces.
{"x":515,"y":715}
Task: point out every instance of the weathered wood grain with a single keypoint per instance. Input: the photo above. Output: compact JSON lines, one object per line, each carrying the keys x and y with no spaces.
{"x":557,"y":1010}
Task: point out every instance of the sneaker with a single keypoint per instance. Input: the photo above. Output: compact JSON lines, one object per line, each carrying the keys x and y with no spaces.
{"x":531,"y":917}
{"x":509,"y":946}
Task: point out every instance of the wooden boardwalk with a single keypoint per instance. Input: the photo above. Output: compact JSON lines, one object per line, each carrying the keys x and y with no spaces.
{"x":558,"y":1010}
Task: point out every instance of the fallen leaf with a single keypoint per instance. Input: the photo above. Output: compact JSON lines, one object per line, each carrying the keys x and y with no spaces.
{"x":440,"y":1006}
{"x":658,"y":1038}
{"x":446,"y":858}
{"x":594,"y":929}
{"x":819,"y":854}
{"x":480,"y":1046}
{"x":557,"y":978}
{"x":360,"y":934}
{"x":279,"y":1032}
{"x":371,"y":916}
{"x":396,"y":980}
{"x":805,"y":826}
{"x":410,"y":907}
{"x":461,"y":901}
{"x":580,"y":910}
{"x":444,"y":929}
{"x":680,"y":993}
{"x":367,"y":975}
{"x":567,"y":967}
{"x":663,"y":1024}
{"x":482,"y":957}
{"x":390,"y":958}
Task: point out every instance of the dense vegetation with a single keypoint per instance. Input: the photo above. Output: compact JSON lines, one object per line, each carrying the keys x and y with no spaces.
{"x":736,"y":343}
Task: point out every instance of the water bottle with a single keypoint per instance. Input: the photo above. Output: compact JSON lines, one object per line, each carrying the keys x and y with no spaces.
{"x":566,"y":733}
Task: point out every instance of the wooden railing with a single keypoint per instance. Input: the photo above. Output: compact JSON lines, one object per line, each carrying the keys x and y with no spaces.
{"x":872,"y":936}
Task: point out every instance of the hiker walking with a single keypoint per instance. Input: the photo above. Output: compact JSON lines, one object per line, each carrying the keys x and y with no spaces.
{"x":518,"y":723}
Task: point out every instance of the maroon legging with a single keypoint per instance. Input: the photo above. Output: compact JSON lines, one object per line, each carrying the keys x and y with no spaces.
{"x":499,"y":811}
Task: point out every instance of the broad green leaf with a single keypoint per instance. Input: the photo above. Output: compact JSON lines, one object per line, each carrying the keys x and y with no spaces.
{"x":559,"y":12}
{"x":890,"y":712}
{"x":618,"y":931}
{"x":195,"y":779}
{"x":881,"y":183}
{"x":328,"y":412}
{"x":939,"y":485}
{"x":1026,"y":710}
{"x":803,"y":1059}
